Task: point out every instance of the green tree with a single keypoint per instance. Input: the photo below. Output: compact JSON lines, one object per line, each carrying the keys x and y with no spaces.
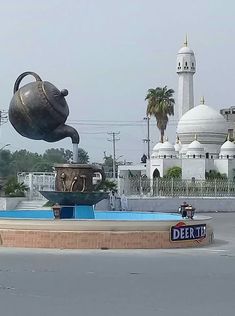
{"x":24,"y":160}
{"x":5,"y":163}
{"x":174,"y":172}
{"x":160,"y":105}
{"x":108,"y":186}
{"x":43,"y":166}
{"x":83,"y":156}
{"x":108,"y":165}
{"x":56,"y":155}
{"x":213,"y":174}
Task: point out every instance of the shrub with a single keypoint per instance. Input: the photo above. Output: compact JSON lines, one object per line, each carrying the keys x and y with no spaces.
{"x":174,"y":172}
{"x":15,"y":189}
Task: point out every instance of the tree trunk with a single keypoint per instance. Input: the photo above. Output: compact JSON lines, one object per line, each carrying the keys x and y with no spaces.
{"x":162,"y":135}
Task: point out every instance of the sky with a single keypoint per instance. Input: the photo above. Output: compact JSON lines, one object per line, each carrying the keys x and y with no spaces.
{"x":108,"y":53}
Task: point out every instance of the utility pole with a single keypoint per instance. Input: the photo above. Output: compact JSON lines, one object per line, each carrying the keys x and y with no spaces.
{"x":114,"y":139}
{"x":147,"y":140}
{"x":3,"y":117}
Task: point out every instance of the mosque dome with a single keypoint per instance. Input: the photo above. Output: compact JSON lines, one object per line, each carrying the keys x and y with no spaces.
{"x":166,"y":150}
{"x":195,"y":150}
{"x":157,"y":146}
{"x":208,"y":124}
{"x":156,"y":149}
{"x":227,"y":150}
{"x":185,"y":50}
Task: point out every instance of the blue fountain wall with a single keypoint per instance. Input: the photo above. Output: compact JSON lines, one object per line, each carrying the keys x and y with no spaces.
{"x":78,"y":212}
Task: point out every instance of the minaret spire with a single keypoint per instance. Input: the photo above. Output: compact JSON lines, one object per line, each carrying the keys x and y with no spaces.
{"x":185,"y":68}
{"x":202,"y":100}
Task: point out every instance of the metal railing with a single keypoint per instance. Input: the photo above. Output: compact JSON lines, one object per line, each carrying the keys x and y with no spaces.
{"x":174,"y":188}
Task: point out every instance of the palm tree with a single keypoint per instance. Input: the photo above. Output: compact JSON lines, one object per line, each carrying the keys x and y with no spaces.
{"x":160,"y":105}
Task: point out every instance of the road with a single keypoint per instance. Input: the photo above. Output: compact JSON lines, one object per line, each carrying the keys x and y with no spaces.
{"x":122,"y":282}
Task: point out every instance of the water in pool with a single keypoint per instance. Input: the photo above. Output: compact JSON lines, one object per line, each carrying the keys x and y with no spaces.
{"x":99,"y":215}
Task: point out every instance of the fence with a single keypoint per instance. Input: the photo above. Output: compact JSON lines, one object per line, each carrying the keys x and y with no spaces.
{"x":175,"y":188}
{"x":37,"y":181}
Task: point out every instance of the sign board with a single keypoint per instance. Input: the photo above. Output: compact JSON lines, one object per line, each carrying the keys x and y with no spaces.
{"x":191,"y":232}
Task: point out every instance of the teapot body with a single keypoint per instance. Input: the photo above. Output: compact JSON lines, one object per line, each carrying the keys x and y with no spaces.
{"x":37,"y":108}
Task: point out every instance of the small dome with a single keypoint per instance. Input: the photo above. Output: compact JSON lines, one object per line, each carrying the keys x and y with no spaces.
{"x":228,"y":145}
{"x":167,"y":150}
{"x":167,"y":146}
{"x":156,"y":150}
{"x":195,"y":150}
{"x":157,"y":146}
{"x":227,"y":150}
{"x":185,"y":50}
{"x":196,"y":145}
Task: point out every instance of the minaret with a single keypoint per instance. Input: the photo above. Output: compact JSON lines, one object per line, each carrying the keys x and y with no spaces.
{"x":186,"y":68}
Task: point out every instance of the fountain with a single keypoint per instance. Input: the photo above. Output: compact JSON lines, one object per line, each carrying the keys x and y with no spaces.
{"x":74,"y":190}
{"x":38,"y":110}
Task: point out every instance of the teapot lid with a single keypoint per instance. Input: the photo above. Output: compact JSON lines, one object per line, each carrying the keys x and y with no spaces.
{"x":56,"y":99}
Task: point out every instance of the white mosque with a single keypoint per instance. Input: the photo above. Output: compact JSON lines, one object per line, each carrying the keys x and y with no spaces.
{"x":202,"y":131}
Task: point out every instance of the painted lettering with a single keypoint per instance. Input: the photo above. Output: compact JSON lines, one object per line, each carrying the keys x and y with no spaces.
{"x":186,"y":232}
{"x":203,"y":231}
{"x":176,"y":234}
{"x":189,"y":232}
{"x":182,"y":231}
{"x":197,"y":232}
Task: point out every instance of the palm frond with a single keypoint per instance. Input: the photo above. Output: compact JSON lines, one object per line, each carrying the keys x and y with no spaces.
{"x":160,"y":105}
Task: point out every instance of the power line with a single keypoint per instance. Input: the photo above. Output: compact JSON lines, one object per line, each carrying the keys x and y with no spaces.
{"x":101,"y":123}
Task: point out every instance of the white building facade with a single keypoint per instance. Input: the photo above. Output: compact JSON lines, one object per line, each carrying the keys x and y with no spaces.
{"x":201,"y":144}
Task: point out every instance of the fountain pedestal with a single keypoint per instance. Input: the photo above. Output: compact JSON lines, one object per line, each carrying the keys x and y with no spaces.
{"x":77,"y":212}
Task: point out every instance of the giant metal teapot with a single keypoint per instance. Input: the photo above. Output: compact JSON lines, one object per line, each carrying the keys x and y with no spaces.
{"x":38,"y":110}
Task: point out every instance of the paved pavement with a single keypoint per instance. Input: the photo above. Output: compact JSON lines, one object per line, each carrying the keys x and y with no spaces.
{"x":122,"y":282}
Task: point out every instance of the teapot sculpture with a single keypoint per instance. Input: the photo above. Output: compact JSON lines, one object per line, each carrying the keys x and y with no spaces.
{"x":38,"y":110}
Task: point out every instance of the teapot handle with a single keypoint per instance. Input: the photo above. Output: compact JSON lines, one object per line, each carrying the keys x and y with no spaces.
{"x":101,"y":171}
{"x":24,"y":74}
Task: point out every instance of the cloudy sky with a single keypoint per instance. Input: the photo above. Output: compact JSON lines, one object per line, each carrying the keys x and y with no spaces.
{"x":108,"y":53}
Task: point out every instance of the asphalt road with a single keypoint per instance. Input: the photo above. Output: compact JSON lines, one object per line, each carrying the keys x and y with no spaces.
{"x":124,"y":282}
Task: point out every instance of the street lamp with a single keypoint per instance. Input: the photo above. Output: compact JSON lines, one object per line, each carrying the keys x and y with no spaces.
{"x":4,"y":146}
{"x":147,"y":140}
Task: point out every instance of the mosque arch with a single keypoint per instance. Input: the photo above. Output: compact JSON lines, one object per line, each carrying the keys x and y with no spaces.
{"x":156,"y":173}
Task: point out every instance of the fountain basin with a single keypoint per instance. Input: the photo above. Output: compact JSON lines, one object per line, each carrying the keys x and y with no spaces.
{"x":105,"y":233}
{"x":74,"y":198}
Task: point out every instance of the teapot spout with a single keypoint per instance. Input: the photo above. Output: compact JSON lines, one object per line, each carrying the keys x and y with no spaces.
{"x":62,"y":132}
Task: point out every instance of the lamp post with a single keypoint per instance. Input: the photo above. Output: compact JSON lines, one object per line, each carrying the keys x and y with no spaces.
{"x":147,"y":140}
